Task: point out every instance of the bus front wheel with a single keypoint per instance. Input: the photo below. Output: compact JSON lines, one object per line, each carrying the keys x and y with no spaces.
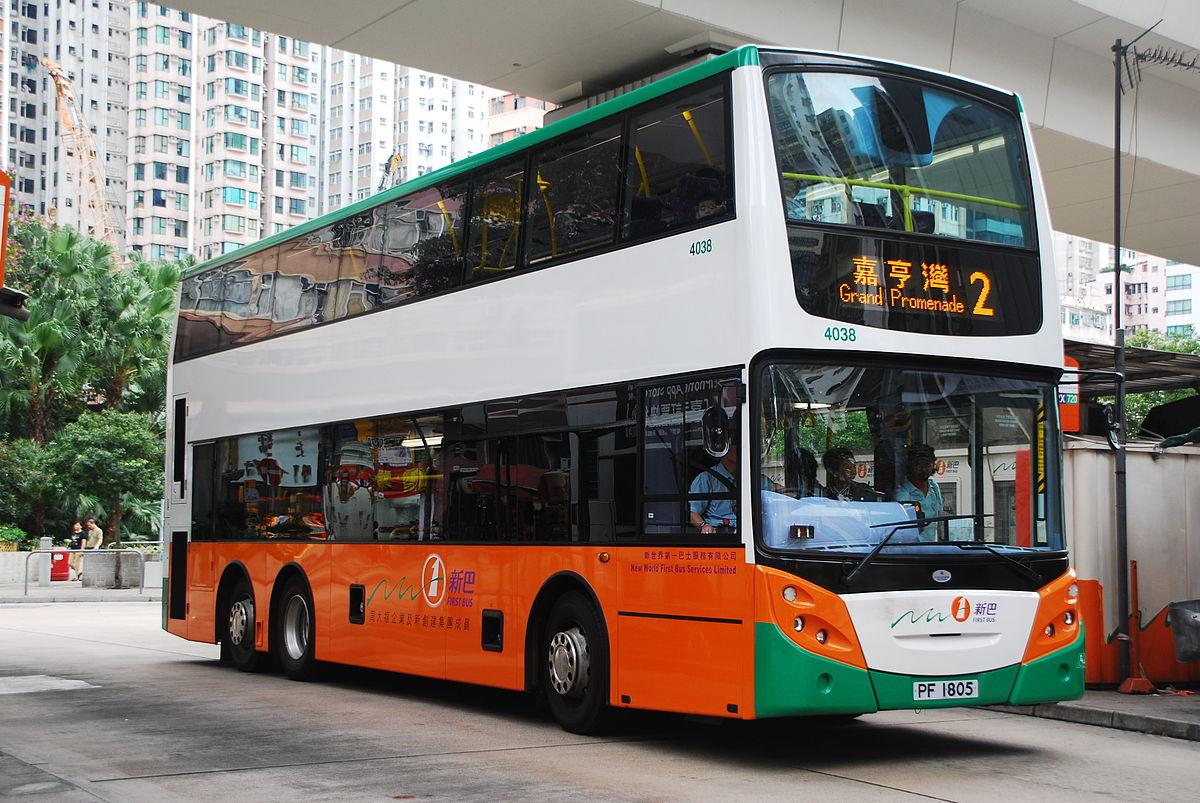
{"x":240,"y":628}
{"x":574,"y":660}
{"x":294,"y":639}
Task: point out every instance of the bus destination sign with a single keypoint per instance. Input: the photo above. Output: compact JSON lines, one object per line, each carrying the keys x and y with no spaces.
{"x":917,"y":286}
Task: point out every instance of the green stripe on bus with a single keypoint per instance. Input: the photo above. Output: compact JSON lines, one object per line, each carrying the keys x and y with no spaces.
{"x":1053,"y":677}
{"x":791,"y":681}
{"x":895,"y":691}
{"x":744,"y":56}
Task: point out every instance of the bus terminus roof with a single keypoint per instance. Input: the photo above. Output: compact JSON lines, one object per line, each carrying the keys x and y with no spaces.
{"x":747,"y":55}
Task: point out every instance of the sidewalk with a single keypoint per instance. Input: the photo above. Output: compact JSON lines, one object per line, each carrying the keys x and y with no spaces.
{"x":73,"y":591}
{"x":1160,"y":714}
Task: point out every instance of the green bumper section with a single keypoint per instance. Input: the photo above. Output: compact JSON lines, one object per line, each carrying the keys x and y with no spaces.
{"x":790,"y":681}
{"x":1053,"y":677}
{"x":896,"y":691}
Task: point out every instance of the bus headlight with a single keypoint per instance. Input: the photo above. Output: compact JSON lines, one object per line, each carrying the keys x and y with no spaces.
{"x":798,"y":623}
{"x":789,"y":593}
{"x":1049,"y":631}
{"x":1073,"y":590}
{"x":1069,"y":618}
{"x":822,"y":636}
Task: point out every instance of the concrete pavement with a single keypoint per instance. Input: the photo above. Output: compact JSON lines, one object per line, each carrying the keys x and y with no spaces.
{"x":159,"y":719}
{"x":1172,"y":715}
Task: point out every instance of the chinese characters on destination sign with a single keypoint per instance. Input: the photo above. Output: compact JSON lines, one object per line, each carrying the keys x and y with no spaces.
{"x":914,"y":286}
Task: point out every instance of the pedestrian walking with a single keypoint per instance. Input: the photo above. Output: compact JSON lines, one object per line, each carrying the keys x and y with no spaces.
{"x":93,"y":538}
{"x":75,"y":540}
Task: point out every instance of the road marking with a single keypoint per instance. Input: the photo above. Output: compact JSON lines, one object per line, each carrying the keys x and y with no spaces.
{"x":25,"y":684}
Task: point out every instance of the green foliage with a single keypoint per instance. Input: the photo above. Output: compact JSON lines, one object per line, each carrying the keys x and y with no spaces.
{"x":96,"y":339}
{"x":28,"y":491}
{"x":116,"y":456}
{"x":12,"y":534}
{"x":1138,"y":405}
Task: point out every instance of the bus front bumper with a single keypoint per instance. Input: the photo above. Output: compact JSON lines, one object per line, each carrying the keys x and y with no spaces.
{"x":790,"y":681}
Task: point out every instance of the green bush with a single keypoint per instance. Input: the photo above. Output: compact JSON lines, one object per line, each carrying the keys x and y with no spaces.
{"x":11,"y":534}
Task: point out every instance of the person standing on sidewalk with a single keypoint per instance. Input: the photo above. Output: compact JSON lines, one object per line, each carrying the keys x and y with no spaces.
{"x":93,"y":538}
{"x":75,"y":543}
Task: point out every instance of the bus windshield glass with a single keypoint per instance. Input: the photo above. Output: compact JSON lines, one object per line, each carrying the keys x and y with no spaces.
{"x":850,"y":456}
{"x":890,"y":153}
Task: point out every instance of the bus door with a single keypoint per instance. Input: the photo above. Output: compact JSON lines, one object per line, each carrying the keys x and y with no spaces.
{"x":683,"y":590}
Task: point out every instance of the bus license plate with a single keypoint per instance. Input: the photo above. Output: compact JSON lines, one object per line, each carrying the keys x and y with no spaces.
{"x":946,"y":690}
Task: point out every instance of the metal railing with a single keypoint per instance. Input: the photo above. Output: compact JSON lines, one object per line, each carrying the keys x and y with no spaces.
{"x":60,"y":551}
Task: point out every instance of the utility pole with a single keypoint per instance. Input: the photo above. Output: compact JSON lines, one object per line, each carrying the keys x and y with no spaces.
{"x":1123,"y":615}
{"x":1187,"y":62}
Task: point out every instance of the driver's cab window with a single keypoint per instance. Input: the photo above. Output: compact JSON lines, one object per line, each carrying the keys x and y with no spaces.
{"x":857,"y":455}
{"x":690,"y":460}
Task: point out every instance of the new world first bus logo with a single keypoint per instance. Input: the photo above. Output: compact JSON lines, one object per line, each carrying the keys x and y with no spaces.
{"x":960,"y":610}
{"x":437,"y":586}
{"x":433,"y":581}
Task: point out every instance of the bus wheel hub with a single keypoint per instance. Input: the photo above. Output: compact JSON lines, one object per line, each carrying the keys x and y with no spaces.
{"x":569,"y":662}
{"x":241,"y":614}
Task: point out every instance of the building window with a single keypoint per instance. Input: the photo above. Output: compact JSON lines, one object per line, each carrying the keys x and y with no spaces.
{"x":1181,"y":307}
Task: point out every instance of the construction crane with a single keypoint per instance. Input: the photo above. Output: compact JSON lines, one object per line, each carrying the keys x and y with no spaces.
{"x":78,"y":142}
{"x":391,"y":172}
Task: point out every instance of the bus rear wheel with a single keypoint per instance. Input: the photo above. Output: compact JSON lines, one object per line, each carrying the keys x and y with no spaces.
{"x":239,"y":630}
{"x":294,"y":639}
{"x":574,"y":657}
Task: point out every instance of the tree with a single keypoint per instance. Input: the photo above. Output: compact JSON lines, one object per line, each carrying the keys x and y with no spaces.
{"x":44,"y":359}
{"x":27,"y":488}
{"x":128,"y":329}
{"x":1138,"y":405}
{"x":113,"y":457}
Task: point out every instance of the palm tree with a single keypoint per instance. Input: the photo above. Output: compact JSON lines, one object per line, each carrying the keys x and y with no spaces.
{"x":40,"y":359}
{"x":131,"y":341}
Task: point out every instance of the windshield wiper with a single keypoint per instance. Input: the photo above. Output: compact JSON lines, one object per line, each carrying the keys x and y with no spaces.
{"x":907,"y":524}
{"x":848,"y":578}
{"x":1021,"y":568}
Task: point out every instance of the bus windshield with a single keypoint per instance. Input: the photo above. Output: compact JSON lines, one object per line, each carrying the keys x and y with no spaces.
{"x":890,"y":153}
{"x":850,"y":456}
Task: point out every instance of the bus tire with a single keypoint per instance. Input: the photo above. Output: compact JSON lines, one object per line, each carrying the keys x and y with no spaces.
{"x":239,"y":629}
{"x":574,"y":659}
{"x":294,"y":639}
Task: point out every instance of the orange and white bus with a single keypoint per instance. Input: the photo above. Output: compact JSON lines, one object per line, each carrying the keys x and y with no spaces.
{"x":572,"y":416}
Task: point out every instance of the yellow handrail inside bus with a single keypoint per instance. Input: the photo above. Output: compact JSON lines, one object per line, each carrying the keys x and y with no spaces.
{"x":644,"y":187}
{"x":499,"y":207}
{"x":544,"y":188}
{"x":687,"y":115}
{"x":906,"y":192}
{"x":450,"y":227}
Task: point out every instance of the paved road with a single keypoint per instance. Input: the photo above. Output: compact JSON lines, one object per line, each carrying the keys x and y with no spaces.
{"x":151,"y":717}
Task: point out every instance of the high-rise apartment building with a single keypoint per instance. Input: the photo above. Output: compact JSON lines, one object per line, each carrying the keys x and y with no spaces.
{"x":211,"y":135}
{"x":511,"y":115}
{"x":89,"y":39}
{"x":1157,"y":294}
{"x":162,"y":94}
{"x":223,"y":134}
{"x":385,"y":123}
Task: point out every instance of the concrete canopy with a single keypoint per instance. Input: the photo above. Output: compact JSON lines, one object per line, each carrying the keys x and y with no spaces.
{"x":1055,"y":53}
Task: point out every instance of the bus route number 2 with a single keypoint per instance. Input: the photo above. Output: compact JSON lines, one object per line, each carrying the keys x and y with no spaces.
{"x":700,"y":247}
{"x":841,"y":334}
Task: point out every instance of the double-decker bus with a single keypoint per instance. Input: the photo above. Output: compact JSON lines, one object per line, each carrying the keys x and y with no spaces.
{"x":647,"y":409}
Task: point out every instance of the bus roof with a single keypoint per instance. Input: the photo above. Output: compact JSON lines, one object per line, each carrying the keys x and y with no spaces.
{"x":742,"y":56}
